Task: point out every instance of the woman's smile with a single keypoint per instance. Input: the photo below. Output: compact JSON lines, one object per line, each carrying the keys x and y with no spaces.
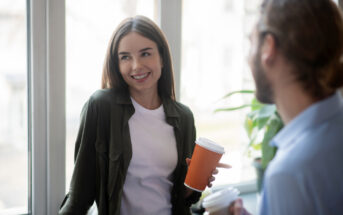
{"x":141,"y":77}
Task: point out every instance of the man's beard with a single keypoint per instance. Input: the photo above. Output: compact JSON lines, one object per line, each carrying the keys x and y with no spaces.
{"x":264,"y":92}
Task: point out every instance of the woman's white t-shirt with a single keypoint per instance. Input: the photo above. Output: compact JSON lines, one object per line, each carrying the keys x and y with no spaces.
{"x":148,"y":184}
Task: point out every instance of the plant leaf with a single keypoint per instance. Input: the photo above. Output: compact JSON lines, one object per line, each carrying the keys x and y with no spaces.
{"x":257,"y":104}
{"x":248,"y":125}
{"x":238,"y":107}
{"x":273,"y":127}
{"x":239,"y":92}
{"x":266,"y":111}
{"x":233,"y":108}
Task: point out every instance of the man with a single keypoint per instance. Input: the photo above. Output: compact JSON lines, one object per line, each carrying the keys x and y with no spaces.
{"x":296,"y":61}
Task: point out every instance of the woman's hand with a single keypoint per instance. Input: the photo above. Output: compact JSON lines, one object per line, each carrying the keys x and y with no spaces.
{"x":214,"y":172}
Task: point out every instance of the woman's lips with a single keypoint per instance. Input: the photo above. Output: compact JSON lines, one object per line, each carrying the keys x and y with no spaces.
{"x":140,"y":76}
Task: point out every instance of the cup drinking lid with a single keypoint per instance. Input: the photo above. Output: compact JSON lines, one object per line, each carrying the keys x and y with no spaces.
{"x":210,"y":145}
{"x":220,"y":199}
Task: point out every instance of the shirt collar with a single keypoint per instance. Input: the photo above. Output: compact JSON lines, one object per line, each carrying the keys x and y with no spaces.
{"x":314,"y":115}
{"x":169,"y":106}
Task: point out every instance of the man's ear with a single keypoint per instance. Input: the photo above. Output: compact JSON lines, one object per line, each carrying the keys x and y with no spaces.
{"x":268,"y":50}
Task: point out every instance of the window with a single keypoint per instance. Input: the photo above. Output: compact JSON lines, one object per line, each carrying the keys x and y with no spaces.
{"x":214,"y":50}
{"x":13,"y":108}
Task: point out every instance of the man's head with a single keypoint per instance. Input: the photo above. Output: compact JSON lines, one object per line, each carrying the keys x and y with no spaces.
{"x":309,"y":36}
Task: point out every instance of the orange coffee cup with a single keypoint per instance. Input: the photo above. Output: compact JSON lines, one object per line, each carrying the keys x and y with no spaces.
{"x":206,"y":156}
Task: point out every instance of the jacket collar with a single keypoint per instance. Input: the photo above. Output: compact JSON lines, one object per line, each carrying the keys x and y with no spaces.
{"x":122,"y":97}
{"x":170,"y":108}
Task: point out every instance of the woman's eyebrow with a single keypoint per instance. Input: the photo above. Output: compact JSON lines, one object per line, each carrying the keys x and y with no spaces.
{"x":123,"y":53}
{"x":142,"y":50}
{"x":145,"y":49}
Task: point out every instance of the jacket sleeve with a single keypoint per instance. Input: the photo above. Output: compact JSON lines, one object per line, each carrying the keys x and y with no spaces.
{"x":82,"y":188}
{"x":193,"y":198}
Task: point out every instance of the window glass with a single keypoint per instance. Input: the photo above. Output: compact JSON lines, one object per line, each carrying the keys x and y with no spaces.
{"x":89,"y":26}
{"x":13,"y":107}
{"x":214,"y":49}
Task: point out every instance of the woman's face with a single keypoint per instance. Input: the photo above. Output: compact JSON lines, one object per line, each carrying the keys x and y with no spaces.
{"x":140,"y":63}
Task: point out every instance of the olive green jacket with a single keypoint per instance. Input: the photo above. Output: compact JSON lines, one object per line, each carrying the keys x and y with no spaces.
{"x":103,"y":153}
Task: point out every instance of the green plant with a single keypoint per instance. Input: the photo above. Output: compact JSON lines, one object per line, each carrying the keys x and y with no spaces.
{"x":262,"y":123}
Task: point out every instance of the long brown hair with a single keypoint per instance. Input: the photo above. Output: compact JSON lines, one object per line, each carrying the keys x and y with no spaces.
{"x":111,"y":76}
{"x":310,"y":34}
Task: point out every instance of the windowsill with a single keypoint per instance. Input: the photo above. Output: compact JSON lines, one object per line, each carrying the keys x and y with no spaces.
{"x":250,"y":202}
{"x":243,"y":187}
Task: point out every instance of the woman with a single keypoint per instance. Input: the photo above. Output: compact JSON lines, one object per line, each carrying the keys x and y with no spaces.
{"x":134,"y":138}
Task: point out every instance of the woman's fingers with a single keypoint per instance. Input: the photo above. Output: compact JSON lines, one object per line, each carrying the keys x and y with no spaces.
{"x":224,"y":165}
{"x":188,"y":161}
{"x":210,"y":180}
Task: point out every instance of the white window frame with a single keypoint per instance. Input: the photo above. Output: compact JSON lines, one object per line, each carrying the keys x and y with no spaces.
{"x":46,"y":105}
{"x":170,"y":21}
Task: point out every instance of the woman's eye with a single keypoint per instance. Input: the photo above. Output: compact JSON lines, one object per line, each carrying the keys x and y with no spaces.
{"x":124,"y":57}
{"x":144,"y":54}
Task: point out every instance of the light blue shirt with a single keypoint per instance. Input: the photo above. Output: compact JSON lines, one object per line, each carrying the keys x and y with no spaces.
{"x":306,"y":175}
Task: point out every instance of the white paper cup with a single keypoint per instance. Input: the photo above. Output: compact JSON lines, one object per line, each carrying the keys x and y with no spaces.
{"x":217,"y":203}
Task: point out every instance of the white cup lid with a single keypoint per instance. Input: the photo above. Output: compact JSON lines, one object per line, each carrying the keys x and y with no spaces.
{"x":210,"y":145}
{"x":220,"y":199}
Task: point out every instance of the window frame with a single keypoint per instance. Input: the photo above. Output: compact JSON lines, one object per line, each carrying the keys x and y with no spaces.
{"x":46,"y":101}
{"x":172,"y":30}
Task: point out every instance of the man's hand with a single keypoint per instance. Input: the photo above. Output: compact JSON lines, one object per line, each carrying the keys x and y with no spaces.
{"x":236,"y":208}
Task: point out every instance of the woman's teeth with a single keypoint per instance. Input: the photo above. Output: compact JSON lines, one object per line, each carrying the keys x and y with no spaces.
{"x":138,"y":77}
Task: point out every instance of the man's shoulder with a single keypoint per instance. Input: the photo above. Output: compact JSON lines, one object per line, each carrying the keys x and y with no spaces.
{"x":312,"y":156}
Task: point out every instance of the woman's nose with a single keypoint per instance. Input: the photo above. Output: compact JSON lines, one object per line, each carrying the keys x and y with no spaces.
{"x":137,"y":64}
